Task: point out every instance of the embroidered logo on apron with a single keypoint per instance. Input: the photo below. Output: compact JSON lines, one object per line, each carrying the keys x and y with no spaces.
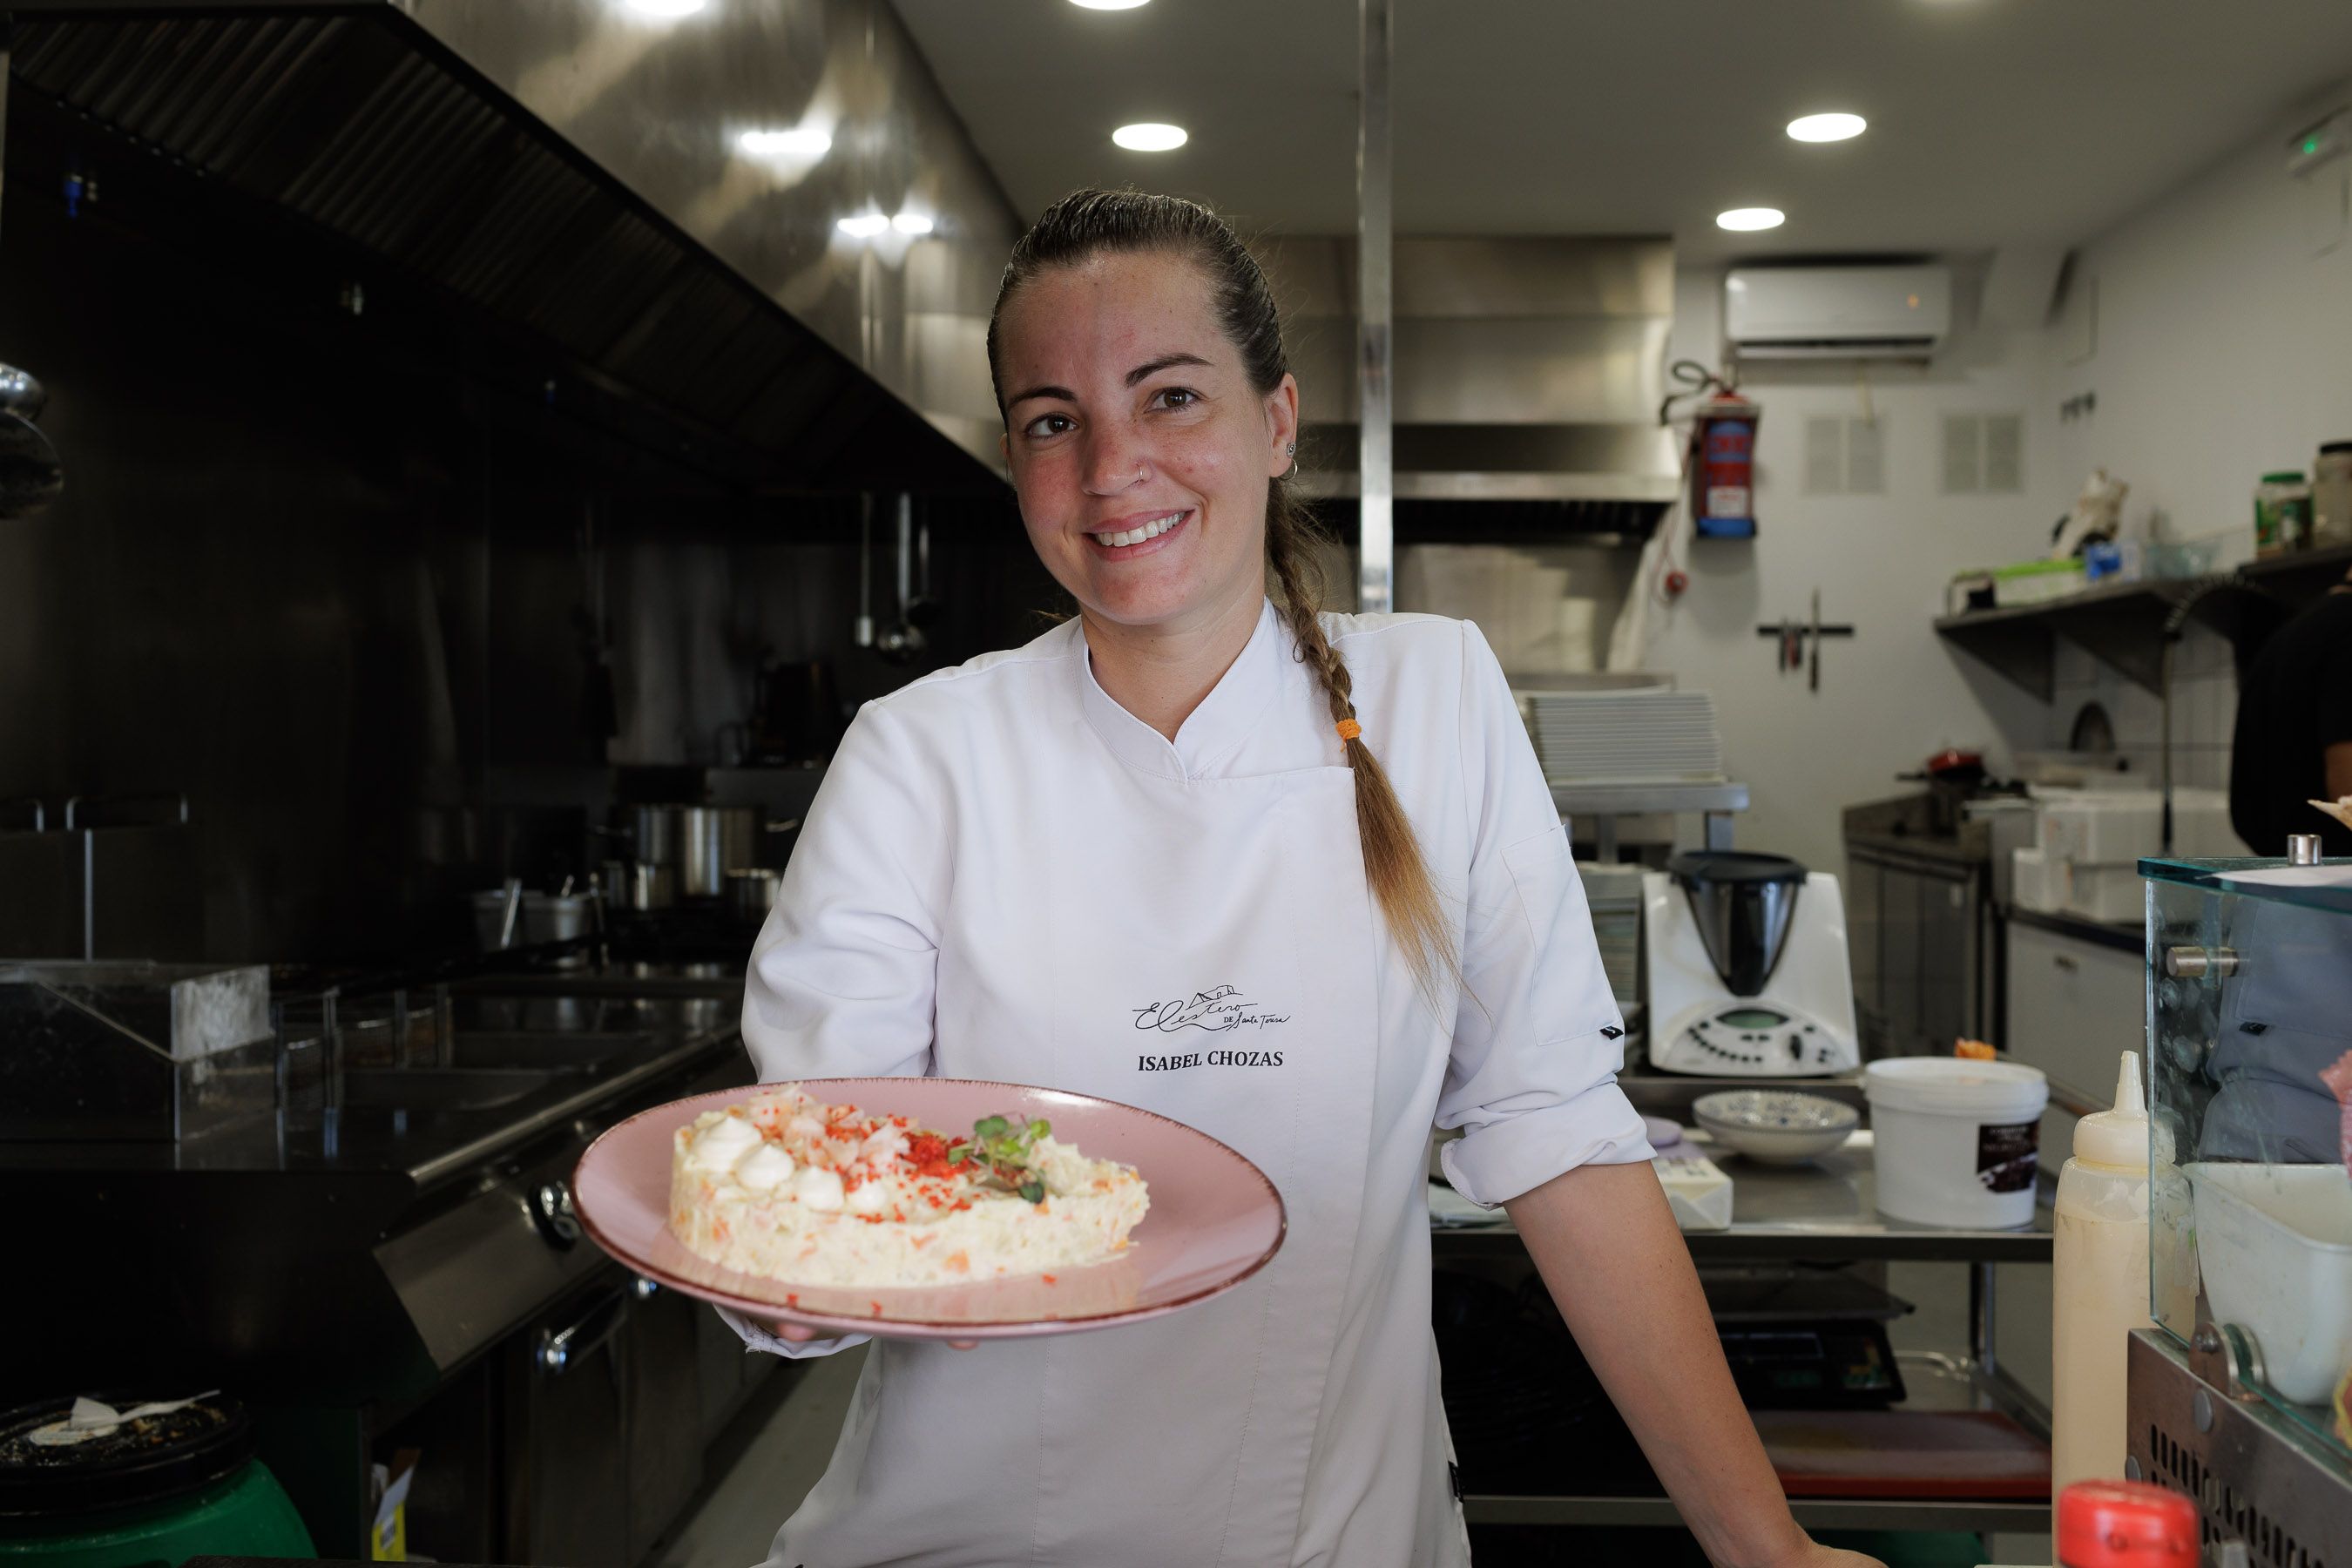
{"x":1219,"y":1010}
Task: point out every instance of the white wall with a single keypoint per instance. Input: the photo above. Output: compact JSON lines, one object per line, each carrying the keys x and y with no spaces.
{"x":1894,"y":694}
{"x":2221,"y":347}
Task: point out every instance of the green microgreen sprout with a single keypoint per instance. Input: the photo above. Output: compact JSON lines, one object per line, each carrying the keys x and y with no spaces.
{"x":1005,"y":1148}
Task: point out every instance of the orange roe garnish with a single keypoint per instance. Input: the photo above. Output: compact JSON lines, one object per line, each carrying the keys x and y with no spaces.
{"x":1048,"y":1279}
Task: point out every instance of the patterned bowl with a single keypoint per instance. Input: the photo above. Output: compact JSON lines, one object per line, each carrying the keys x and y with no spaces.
{"x":1777,"y":1126}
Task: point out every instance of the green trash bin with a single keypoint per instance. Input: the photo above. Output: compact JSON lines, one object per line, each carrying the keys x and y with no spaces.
{"x":150,"y":1493}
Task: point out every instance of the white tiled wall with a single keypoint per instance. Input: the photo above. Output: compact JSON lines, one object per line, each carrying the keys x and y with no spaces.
{"x":2204,"y":709}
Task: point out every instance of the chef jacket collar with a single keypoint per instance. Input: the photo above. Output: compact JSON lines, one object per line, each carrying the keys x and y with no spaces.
{"x":1214,"y":731}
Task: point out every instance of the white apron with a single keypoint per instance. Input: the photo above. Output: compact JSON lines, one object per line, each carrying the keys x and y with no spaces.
{"x":1102,"y":911}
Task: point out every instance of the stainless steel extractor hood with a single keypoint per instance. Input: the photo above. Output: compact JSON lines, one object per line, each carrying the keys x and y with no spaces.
{"x":1527,"y":370}
{"x":660,"y":198}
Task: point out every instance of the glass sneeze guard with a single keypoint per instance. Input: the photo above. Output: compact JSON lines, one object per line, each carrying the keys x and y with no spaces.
{"x":2250,"y":1025}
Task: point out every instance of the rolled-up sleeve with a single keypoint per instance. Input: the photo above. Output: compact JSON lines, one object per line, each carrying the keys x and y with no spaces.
{"x":843,"y":976}
{"x":1532,"y":1080}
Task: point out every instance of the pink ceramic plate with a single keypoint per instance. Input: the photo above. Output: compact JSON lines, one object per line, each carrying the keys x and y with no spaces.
{"x":1214,"y":1218}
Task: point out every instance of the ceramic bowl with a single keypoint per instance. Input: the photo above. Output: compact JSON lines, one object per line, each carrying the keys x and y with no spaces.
{"x":1778,"y":1126}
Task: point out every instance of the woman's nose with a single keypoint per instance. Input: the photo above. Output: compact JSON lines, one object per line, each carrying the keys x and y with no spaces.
{"x":1115,"y":461}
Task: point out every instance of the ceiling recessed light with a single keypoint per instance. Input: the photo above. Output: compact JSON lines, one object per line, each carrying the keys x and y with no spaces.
{"x":1751,"y":218}
{"x":911,"y":223}
{"x":795,"y":141}
{"x":669,"y":10}
{"x":1109,"y":5}
{"x":864,"y":225}
{"x":1148,"y":137}
{"x":1828,"y":127}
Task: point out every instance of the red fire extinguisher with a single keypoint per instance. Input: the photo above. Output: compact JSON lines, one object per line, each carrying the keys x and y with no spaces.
{"x":1723,"y":467}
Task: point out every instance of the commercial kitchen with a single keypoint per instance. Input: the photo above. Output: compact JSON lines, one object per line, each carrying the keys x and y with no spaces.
{"x":481,"y":481}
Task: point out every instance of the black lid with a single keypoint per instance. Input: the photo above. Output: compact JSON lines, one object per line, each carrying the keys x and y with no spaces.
{"x":144,"y":1461}
{"x":1733,"y":865}
{"x":2336,"y":446}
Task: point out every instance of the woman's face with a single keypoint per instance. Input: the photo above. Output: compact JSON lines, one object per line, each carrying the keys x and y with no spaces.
{"x":1140,"y":453}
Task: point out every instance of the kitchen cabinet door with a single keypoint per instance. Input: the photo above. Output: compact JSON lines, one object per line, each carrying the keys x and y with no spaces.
{"x":568,"y":1454}
{"x":2074,"y":1008}
{"x":665,"y":1413}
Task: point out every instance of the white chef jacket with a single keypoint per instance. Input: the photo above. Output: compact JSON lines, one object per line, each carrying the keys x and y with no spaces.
{"x":1006,"y":875}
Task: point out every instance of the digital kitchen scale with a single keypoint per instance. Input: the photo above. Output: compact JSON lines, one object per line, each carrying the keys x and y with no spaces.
{"x":1748,"y":970}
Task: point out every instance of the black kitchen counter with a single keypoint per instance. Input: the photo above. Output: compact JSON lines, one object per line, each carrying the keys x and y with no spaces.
{"x":365,"y":1260}
{"x":2129,"y":937}
{"x":566,"y":1047}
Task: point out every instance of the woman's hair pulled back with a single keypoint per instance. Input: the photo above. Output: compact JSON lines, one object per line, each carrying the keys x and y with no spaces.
{"x":1086,"y":224}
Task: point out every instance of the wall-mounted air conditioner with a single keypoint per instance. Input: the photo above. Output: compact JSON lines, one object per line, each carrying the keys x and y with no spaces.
{"x":1837,"y":312}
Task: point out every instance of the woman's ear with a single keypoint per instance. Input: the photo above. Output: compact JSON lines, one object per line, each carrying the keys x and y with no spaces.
{"x":1282,"y":425}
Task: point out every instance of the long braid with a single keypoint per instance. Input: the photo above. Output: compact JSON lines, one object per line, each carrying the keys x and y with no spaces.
{"x":1393,"y":864}
{"x":1084,"y":224}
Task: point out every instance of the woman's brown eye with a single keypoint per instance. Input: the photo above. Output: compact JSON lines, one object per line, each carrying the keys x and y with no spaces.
{"x":1049,"y":425}
{"x":1179,"y":396}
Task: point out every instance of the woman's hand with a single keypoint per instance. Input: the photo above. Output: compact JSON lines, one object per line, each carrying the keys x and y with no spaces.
{"x":799,"y":1335}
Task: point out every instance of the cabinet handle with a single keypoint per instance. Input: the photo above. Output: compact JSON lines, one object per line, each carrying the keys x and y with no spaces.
{"x":560,"y":1351}
{"x":2065,"y":964}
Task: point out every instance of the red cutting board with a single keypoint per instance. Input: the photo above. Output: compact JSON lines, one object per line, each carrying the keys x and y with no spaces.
{"x":1904,"y":1453}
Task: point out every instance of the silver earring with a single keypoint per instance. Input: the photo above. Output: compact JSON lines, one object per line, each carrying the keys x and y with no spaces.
{"x":1291,"y":450}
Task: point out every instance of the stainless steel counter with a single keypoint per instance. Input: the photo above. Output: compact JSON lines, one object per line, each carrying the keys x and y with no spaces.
{"x":1825,"y":1211}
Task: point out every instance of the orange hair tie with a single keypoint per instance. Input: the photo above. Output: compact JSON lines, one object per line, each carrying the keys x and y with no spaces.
{"x":1348,"y":729}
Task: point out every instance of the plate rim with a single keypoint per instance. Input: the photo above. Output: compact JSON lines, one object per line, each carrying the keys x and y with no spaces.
{"x":919,"y":1328}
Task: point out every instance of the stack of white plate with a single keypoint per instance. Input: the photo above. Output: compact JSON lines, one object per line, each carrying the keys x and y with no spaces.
{"x":1647,"y":736}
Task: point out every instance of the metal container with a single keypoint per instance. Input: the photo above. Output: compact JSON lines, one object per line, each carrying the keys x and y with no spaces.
{"x":636,"y":884}
{"x":494,"y":926}
{"x":715,"y":840}
{"x":558,"y":917}
{"x":752,"y":891}
{"x":653,"y":832}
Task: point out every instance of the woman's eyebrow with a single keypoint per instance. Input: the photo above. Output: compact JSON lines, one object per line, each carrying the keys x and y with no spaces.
{"x":1152,"y":367}
{"x":1064,"y":393}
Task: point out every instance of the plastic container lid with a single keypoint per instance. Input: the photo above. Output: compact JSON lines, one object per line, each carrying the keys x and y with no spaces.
{"x":1955,"y":1086}
{"x":2124,"y":1524}
{"x":2285,"y":476}
{"x":2344,"y":446}
{"x":2117,"y":1137}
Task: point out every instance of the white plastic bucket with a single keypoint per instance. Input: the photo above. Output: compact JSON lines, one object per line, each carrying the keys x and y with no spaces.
{"x":1956,"y":1142}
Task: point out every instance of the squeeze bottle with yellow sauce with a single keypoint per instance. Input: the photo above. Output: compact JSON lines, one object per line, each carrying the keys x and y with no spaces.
{"x":2100,"y":1284}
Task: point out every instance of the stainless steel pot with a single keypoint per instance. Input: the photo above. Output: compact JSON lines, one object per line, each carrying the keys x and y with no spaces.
{"x":634,"y":885}
{"x":654,"y":833}
{"x":714,"y":840}
{"x":752,"y":891}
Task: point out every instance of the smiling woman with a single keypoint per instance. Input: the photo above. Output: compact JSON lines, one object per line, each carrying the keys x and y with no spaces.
{"x":1065,"y":863}
{"x":1150,"y":419}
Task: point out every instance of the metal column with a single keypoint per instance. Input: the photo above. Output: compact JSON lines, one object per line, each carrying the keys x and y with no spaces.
{"x":1375,"y":462}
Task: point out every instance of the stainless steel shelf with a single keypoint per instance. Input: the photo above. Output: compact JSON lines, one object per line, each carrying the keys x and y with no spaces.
{"x":1826,"y":1212}
{"x":1813,"y":1513}
{"x":1638,"y":799}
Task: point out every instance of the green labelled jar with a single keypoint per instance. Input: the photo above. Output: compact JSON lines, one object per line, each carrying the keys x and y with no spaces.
{"x":2281,"y":512}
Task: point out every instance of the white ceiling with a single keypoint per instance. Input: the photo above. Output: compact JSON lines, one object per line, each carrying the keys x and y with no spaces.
{"x":1993,"y":123}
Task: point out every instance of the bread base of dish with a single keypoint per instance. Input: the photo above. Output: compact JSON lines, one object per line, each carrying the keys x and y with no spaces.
{"x":786,"y":1187}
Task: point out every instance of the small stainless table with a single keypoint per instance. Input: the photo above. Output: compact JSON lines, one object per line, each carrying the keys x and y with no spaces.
{"x":1826,"y":1213}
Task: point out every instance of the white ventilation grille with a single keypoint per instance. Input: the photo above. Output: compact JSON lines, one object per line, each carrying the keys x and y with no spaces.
{"x":1845,"y":457}
{"x":1984,"y":454}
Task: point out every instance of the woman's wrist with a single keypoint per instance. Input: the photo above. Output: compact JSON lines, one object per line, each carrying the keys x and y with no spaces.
{"x":1772,"y":1541}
